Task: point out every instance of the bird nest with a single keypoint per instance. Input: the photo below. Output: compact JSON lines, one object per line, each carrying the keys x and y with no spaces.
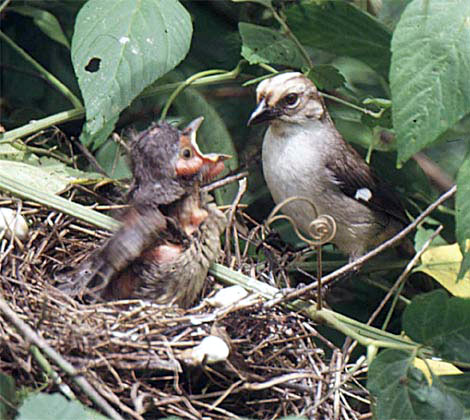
{"x":137,"y":355}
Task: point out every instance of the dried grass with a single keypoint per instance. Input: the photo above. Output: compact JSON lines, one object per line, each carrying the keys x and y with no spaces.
{"x":134,"y":352}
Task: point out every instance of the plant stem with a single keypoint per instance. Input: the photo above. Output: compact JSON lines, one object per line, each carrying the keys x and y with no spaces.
{"x":4,"y":4}
{"x":58,"y":203}
{"x":291,"y":35}
{"x":185,"y":84}
{"x":74,"y":114}
{"x":373,"y":114}
{"x":268,"y":68}
{"x":19,"y":145}
{"x":46,"y":74}
{"x":27,"y":332}
{"x":365,"y":334}
{"x":206,"y":77}
{"x":37,"y":125}
{"x":387,"y":244}
{"x":331,"y":318}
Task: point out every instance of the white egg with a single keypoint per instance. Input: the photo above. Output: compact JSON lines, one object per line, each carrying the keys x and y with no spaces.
{"x":227,"y":296}
{"x":13,"y":224}
{"x":212,"y":349}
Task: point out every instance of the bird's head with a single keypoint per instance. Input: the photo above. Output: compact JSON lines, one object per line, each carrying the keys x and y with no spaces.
{"x":167,"y":160}
{"x":191,"y":161}
{"x":289,"y":97}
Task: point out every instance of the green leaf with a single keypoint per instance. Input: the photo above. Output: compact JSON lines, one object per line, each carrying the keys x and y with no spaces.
{"x":7,"y":394}
{"x":342,"y":28}
{"x":391,"y":11}
{"x":45,"y":21}
{"x":13,"y":186}
{"x":348,"y":121}
{"x":113,"y":160}
{"x":429,"y":72}
{"x":443,"y":263}
{"x":47,"y":174}
{"x":422,"y":235}
{"x":441,"y":322}
{"x":212,"y":136}
{"x":459,"y":386}
{"x":403,"y":392}
{"x":268,"y":46}
{"x":118,"y":51}
{"x":326,"y":77}
{"x":462,"y":219}
{"x":97,"y":139}
{"x":51,"y":406}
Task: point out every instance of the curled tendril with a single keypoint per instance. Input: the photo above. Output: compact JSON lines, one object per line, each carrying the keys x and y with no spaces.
{"x":321,"y":230}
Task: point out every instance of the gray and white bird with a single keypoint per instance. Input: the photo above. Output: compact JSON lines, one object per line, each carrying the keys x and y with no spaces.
{"x":305,"y":155}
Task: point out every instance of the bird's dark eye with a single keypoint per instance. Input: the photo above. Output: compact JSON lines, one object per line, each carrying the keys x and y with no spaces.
{"x":291,"y":99}
{"x":187,"y":153}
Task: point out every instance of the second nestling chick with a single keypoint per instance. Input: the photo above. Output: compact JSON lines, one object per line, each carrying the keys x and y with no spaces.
{"x":167,"y":232}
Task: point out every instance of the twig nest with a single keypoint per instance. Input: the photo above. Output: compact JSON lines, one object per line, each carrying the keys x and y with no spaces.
{"x":211,"y":349}
{"x":227,"y":296}
{"x":13,"y":224}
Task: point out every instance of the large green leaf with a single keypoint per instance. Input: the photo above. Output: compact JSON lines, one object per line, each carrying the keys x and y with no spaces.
{"x":462,"y":204}
{"x":265,"y":45}
{"x":403,"y":392}
{"x":121,"y":47}
{"x":340,"y":27}
{"x":429,"y":72}
{"x":441,"y":322}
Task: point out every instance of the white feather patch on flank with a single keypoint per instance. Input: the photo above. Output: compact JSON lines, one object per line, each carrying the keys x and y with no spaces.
{"x":363,"y":194}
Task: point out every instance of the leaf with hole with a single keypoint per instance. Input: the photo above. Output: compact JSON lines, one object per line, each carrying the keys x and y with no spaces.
{"x":120,"y":49}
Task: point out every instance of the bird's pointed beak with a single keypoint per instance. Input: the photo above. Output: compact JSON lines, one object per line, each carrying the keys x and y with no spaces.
{"x":192,"y":127}
{"x":263,"y":112}
{"x":212,"y":164}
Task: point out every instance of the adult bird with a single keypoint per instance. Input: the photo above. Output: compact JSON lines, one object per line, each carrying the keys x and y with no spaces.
{"x":304,"y":155}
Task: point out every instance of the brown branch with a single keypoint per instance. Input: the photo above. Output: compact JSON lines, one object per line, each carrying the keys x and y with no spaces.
{"x":357,"y":263}
{"x":80,"y":380}
{"x":404,"y":274}
{"x":224,"y":181}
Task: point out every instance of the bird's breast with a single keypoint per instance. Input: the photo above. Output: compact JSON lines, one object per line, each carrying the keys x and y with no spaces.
{"x":292,"y":164}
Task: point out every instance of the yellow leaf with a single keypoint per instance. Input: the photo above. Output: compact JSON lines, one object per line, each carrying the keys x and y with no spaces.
{"x":437,"y":367}
{"x":443,"y":264}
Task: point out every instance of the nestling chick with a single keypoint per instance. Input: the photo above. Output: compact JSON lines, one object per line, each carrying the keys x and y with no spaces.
{"x":155,"y":253}
{"x":304,"y":155}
